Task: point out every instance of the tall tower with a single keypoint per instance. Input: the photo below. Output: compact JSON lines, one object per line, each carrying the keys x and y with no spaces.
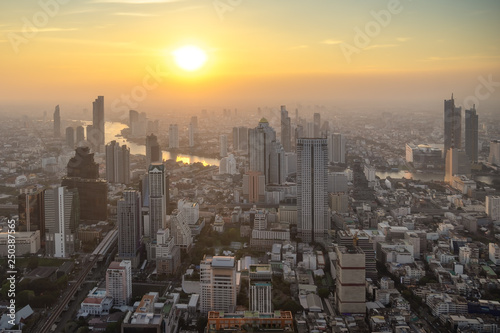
{"x":260,"y":140}
{"x":117,"y":163}
{"x":173,"y":135}
{"x":218,"y":284}
{"x":350,"y":267}
{"x":471,"y":134}
{"x":260,"y":287}
{"x":457,"y":163}
{"x":61,"y":220}
{"x":191,"y":134}
{"x":286,"y":130}
{"x":70,"y":137}
{"x":119,"y":282}
{"x":317,"y":125}
{"x":129,"y":226}
{"x":153,"y":150}
{"x":223,"y":145}
{"x":57,"y":122}
{"x":312,"y":189}
{"x":157,"y":202}
{"x":452,"y":125}
{"x":98,"y":135}
{"x":80,"y":134}
{"x":336,"y":148}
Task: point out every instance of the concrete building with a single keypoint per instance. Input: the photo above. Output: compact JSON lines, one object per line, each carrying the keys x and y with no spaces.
{"x":286,"y":130}
{"x":471,"y":134}
{"x":57,"y":122}
{"x":27,"y":242}
{"x":167,"y":254}
{"x":336,"y":148}
{"x":157,"y":180}
{"x":279,"y":321}
{"x":129,"y":226}
{"x":337,"y":182}
{"x":119,"y":282}
{"x":424,"y":156}
{"x":218,"y":284}
{"x":493,"y":207}
{"x":173,"y":136}
{"x":452,"y":125}
{"x":223,"y":145}
{"x":494,"y":157}
{"x":350,"y":269}
{"x":313,"y":220}
{"x":457,"y":163}
{"x":494,"y":253}
{"x":97,"y":139}
{"x":339,"y":202}
{"x":117,"y":163}
{"x":180,"y":229}
{"x":260,"y":288}
{"x":70,"y":137}
{"x":153,"y":150}
{"x":254,"y":186}
{"x":260,"y":142}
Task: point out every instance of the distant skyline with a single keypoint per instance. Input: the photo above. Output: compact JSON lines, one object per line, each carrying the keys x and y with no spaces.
{"x":409,"y":53}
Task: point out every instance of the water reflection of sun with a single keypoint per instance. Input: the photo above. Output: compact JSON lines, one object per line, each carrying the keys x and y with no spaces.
{"x":187,"y":160}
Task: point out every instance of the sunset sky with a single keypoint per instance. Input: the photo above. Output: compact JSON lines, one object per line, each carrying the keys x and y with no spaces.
{"x":259,"y":52}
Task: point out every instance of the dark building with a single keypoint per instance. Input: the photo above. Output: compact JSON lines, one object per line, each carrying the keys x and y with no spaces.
{"x":153,"y":150}
{"x":31,"y":213}
{"x":452,"y":125}
{"x":80,"y":134}
{"x":83,"y":174}
{"x":57,"y":122}
{"x":117,"y":163}
{"x":97,"y":139}
{"x":70,"y":137}
{"x":471,"y":134}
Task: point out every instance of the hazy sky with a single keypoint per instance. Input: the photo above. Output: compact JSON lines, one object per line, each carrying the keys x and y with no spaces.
{"x":259,"y":52}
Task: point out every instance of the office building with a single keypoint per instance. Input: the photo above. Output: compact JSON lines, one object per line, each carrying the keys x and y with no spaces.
{"x":452,"y":125}
{"x":278,"y":321}
{"x":31,"y":212}
{"x":286,"y":130}
{"x":191,"y":134}
{"x":61,"y":209}
{"x":180,"y":229}
{"x":493,"y":207}
{"x":98,"y":132}
{"x":167,"y":254}
{"x":317,"y":126}
{"x":119,"y":282}
{"x":117,"y":163}
{"x":337,"y":182}
{"x":336,"y":148}
{"x":173,"y":136}
{"x":80,"y":134}
{"x":277,"y":164}
{"x":339,"y":202}
{"x":157,"y":184}
{"x":228,"y":165}
{"x":350,"y":268}
{"x":57,"y":122}
{"x":494,"y":157}
{"x":424,"y":156}
{"x":254,"y":187}
{"x":240,"y":138}
{"x":82,"y":165}
{"x":223,"y":146}
{"x":260,"y":288}
{"x":457,"y":163}
{"x":218,"y":284}
{"x":260,"y":141}
{"x":27,"y":242}
{"x":129,"y":226}
{"x":471,"y":134}
{"x":153,"y":150}
{"x":313,"y":220}
{"x":70,"y":137}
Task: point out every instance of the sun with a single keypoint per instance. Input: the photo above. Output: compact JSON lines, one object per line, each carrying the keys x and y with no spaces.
{"x":190,"y":57}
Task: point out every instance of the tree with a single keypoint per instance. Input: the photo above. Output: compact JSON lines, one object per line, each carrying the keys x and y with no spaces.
{"x":323,"y":292}
{"x":33,"y":263}
{"x":201,"y":323}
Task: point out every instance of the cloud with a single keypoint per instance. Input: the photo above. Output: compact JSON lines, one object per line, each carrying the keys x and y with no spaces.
{"x":42,"y":30}
{"x":469,"y":57}
{"x":331,"y":42}
{"x":379,"y":46}
{"x":134,"y":14}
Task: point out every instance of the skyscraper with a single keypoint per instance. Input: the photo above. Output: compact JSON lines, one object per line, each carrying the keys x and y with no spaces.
{"x":218,"y":284}
{"x":57,"y":122}
{"x":119,"y":282}
{"x":286,"y":130}
{"x":70,"y":137}
{"x":336,"y":148}
{"x":157,"y":202}
{"x":191,"y":134}
{"x":61,"y":220}
{"x":471,"y":134}
{"x":493,"y":207}
{"x":254,"y":185}
{"x":260,"y":288}
{"x":317,"y":125}
{"x":98,"y":133}
{"x":173,"y":136}
{"x":117,"y":163}
{"x":277,"y":165}
{"x":457,"y":163}
{"x":129,"y":226}
{"x":494,"y":157}
{"x":80,"y":134}
{"x":223,"y":145}
{"x":31,"y":210}
{"x":312,"y":195}
{"x":452,"y":125}
{"x":350,"y":267}
{"x":260,"y":141}
{"x":153,"y":150}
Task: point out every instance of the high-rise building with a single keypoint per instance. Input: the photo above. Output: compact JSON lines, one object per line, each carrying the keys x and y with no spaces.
{"x":309,"y":130}
{"x":493,"y":207}
{"x":336,"y":148}
{"x":337,"y":182}
{"x":317,"y":125}
{"x":157,"y":180}
{"x":119,"y":282}
{"x":98,"y":133}
{"x":180,"y":229}
{"x":57,"y":122}
{"x":61,"y":209}
{"x":350,"y":267}
{"x":167,"y":254}
{"x":312,"y":193}
{"x":452,"y":125}
{"x":173,"y":136}
{"x":254,"y":186}
{"x":471,"y":134}
{"x":277,"y":164}
{"x":80,"y":134}
{"x":260,"y":141}
{"x":31,"y":212}
{"x":260,"y":288}
{"x":286,"y":130}
{"x":117,"y":163}
{"x":457,"y":163}
{"x":191,"y":134}
{"x":494,"y":157}
{"x":129,"y":226}
{"x":339,"y":202}
{"x":223,"y":145}
{"x":218,"y":284}
{"x":243,"y":138}
{"x":153,"y":150}
{"x":83,"y":175}
{"x":228,"y":165}
{"x":70,"y":137}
